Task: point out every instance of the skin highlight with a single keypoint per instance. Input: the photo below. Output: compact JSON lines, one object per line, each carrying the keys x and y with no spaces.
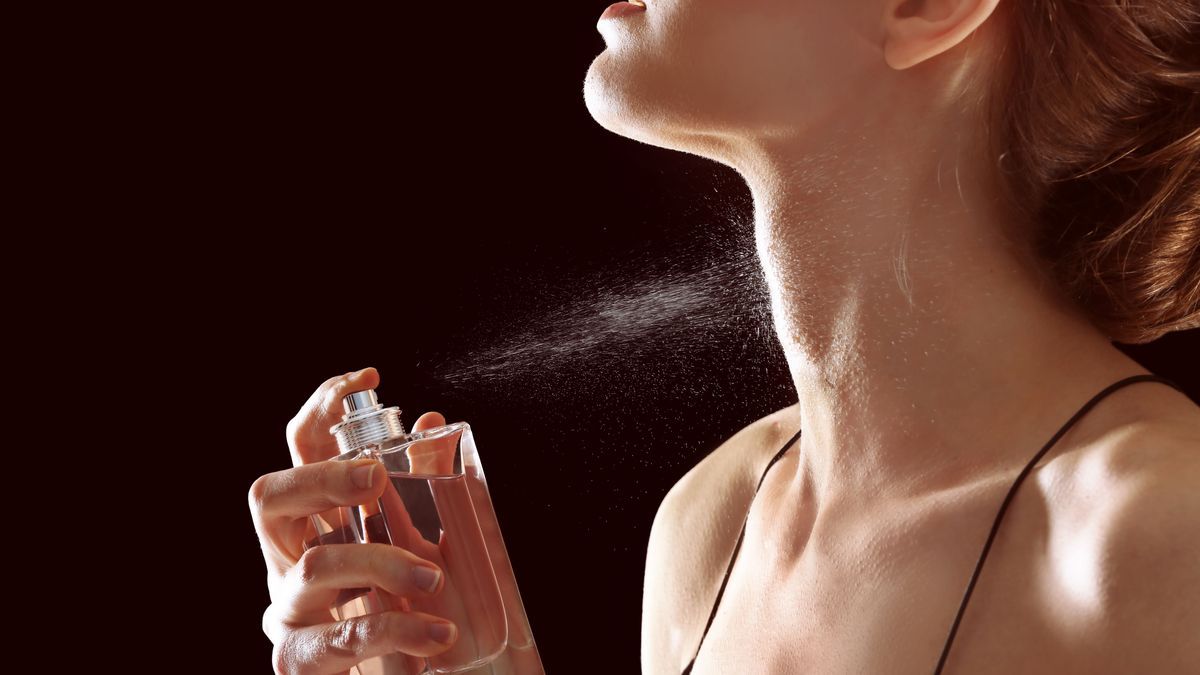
{"x":930,"y":355}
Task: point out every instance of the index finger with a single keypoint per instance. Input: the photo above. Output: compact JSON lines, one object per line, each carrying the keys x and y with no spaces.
{"x":308,"y":432}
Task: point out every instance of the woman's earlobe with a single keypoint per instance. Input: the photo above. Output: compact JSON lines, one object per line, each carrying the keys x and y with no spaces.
{"x":901,"y":49}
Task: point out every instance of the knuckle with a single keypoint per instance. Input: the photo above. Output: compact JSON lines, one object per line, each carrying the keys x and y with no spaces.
{"x":268,"y":623}
{"x":349,"y":638}
{"x":257,"y":495}
{"x":380,"y":558}
{"x":294,"y":427}
{"x":268,"y":486}
{"x":331,"y":383}
{"x":312,"y":564}
{"x":330,"y":400}
{"x":329,"y":474}
{"x":299,"y":652}
{"x":282,"y":660}
{"x":324,"y":403}
{"x":393,"y":565}
{"x":326,"y":479}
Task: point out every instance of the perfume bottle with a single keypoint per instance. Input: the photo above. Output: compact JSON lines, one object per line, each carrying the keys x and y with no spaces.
{"x":436,"y":505}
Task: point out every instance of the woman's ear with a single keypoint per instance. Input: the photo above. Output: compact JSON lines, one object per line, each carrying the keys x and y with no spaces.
{"x":917,"y":30}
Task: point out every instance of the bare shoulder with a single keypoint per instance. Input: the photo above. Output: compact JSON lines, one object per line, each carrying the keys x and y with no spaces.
{"x":1150,"y":551}
{"x":693,"y":536}
{"x":1133,"y":512}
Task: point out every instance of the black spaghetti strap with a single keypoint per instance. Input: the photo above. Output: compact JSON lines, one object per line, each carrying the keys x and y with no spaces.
{"x":991,"y":535}
{"x":987,"y":546}
{"x":736,"y":547}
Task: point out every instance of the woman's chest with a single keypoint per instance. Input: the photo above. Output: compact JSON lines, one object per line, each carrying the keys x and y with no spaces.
{"x":880,"y":594}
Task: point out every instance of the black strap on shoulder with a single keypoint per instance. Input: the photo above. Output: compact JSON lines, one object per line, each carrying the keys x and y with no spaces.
{"x":991,"y":534}
{"x":737,"y":547}
{"x":987,"y":546}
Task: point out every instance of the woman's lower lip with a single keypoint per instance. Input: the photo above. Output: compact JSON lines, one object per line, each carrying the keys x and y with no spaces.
{"x":621,"y":9}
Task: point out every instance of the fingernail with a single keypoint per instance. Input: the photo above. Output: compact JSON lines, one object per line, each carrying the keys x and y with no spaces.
{"x":359,"y":373}
{"x":363,"y":475}
{"x":442,"y":632}
{"x":426,"y":578}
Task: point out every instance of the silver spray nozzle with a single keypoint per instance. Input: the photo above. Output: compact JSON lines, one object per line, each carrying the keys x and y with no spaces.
{"x":359,"y":400}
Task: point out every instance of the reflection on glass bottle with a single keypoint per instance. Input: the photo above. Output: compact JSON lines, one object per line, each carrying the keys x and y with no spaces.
{"x":436,"y":505}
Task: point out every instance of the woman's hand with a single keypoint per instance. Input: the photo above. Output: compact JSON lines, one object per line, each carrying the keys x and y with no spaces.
{"x":304,"y":584}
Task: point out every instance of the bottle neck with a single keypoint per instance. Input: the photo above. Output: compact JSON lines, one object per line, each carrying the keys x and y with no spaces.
{"x":367,"y":426}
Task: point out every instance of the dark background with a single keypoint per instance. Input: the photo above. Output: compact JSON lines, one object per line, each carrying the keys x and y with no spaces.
{"x":392,"y":190}
{"x":320,"y":190}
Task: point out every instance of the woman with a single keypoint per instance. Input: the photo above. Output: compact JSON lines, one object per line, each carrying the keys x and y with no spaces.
{"x":959,"y":204}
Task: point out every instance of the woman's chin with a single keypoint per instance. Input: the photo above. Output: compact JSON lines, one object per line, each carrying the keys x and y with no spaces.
{"x":606,"y":94}
{"x":628,"y":101}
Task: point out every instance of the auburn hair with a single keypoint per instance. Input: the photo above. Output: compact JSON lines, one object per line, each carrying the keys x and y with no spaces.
{"x":1094,"y":118}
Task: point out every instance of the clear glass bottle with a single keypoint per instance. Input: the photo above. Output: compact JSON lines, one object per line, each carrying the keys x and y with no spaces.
{"x":438,"y":506}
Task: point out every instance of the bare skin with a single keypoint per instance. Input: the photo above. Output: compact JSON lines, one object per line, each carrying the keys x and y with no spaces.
{"x":931,"y":358}
{"x":1093,"y":569}
{"x":304,"y":582}
{"x":408,"y":573}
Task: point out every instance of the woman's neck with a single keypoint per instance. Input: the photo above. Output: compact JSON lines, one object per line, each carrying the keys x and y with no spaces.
{"x":923,"y":347}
